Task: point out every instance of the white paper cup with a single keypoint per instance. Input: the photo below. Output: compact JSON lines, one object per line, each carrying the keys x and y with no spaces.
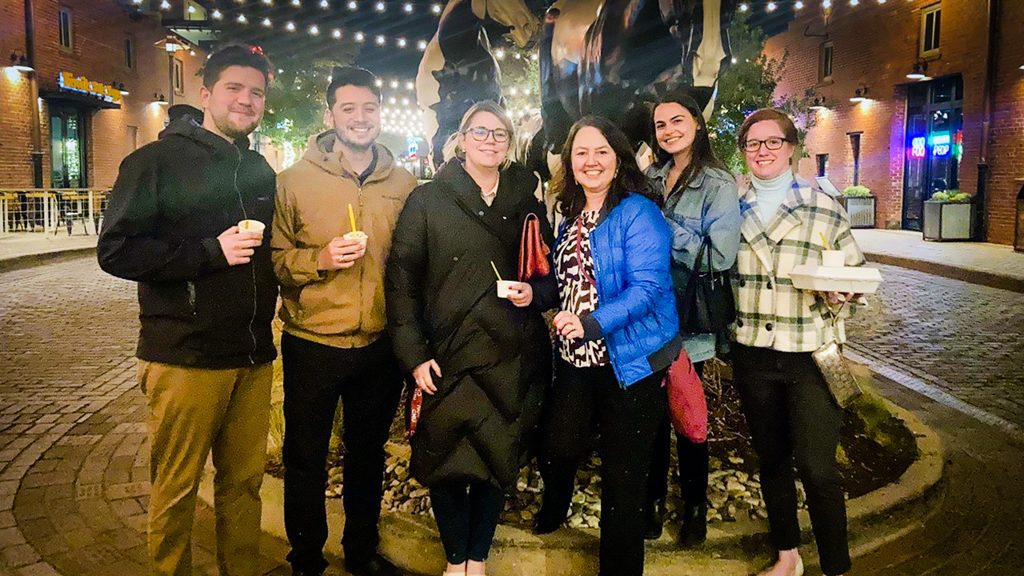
{"x":833,"y":258}
{"x":505,"y":288}
{"x":356,"y":235}
{"x":251,"y":226}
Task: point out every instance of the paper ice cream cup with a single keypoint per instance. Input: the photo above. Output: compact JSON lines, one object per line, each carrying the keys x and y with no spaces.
{"x":505,"y":288}
{"x":833,"y":258}
{"x":356,"y":235}
{"x":251,"y":226}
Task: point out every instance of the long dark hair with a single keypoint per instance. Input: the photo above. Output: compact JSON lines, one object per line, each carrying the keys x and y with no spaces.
{"x":569,"y":194}
{"x":701,"y":154}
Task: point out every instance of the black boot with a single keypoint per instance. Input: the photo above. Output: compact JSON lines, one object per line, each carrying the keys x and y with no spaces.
{"x":654,"y":519}
{"x":695,"y":525}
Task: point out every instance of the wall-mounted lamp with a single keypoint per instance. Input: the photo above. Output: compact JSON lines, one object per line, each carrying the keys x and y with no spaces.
{"x":818,"y":103}
{"x":1022,"y":66}
{"x":120,"y":87}
{"x":919,"y":72}
{"x":20,"y":61}
{"x":159,"y":99}
{"x":860,"y":94}
{"x":172,"y":44}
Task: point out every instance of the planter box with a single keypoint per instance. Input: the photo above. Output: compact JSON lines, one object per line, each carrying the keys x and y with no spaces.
{"x":861,"y":210}
{"x":948,"y":220}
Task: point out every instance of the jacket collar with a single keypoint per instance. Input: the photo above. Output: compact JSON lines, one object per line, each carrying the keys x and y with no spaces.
{"x":187,"y":127}
{"x":466,"y":193}
{"x":323,"y":152}
{"x":763,"y":237}
{"x":661,"y":175}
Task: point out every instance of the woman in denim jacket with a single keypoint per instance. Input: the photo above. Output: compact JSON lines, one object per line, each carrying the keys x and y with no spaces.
{"x":700,"y":201}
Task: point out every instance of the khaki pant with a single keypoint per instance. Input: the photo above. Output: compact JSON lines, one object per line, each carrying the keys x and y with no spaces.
{"x":192,"y":411}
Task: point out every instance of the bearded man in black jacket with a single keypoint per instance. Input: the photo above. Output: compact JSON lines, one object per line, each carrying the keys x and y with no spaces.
{"x":207,"y":294}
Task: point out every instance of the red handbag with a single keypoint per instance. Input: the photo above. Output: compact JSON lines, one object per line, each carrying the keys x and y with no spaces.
{"x":412,"y":411}
{"x":686,"y":403}
{"x":533,"y":252}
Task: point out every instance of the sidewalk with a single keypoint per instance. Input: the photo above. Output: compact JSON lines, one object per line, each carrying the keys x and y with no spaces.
{"x":28,"y":248}
{"x":992,"y":265}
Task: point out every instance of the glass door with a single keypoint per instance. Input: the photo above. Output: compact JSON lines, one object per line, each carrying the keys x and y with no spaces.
{"x":934,"y":144}
{"x":67,"y":147}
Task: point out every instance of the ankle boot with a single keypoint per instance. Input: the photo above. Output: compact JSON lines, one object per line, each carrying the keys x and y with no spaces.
{"x":695,"y":525}
{"x":654,"y":519}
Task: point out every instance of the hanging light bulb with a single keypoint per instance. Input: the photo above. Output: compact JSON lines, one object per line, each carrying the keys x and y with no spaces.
{"x":290,"y":26}
{"x":401,"y":42}
{"x":314,"y":30}
{"x":267,"y":23}
{"x":352,"y":5}
{"x":217,"y":15}
{"x":421,"y":45}
{"x":242,"y":19}
{"x":360,"y":37}
{"x":336,"y":33}
{"x":381,"y":40}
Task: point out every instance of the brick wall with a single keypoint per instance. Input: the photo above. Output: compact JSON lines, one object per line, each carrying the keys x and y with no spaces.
{"x":876,"y":45}
{"x":99,"y":30}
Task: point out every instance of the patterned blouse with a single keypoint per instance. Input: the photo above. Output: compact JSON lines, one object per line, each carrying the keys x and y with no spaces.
{"x":577,"y":292}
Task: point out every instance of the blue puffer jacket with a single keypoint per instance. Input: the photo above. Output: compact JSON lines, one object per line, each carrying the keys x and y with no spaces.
{"x":636,"y":313}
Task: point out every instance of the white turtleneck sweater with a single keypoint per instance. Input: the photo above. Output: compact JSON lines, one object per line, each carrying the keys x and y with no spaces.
{"x":771,"y":194}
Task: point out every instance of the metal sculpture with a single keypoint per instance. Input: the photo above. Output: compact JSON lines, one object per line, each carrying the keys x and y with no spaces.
{"x":458,"y":67}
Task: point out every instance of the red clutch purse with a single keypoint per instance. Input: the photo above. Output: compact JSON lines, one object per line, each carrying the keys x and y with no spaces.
{"x":533,"y":253}
{"x":686,"y":403}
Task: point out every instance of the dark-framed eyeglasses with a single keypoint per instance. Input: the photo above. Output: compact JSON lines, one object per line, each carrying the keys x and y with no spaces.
{"x":479,"y":133}
{"x":773,"y":143}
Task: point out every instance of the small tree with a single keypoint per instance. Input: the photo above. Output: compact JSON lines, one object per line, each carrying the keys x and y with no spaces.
{"x":745,"y":85}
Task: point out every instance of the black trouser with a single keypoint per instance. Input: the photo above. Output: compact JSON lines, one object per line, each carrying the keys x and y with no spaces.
{"x":466,"y":515}
{"x":627,"y":420}
{"x":693,"y":463}
{"x":369,"y":383}
{"x":793,"y":419}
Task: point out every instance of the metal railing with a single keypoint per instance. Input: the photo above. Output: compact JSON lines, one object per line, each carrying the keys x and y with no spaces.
{"x":51,"y":209}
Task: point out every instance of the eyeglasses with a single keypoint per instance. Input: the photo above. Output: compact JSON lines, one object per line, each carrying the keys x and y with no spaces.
{"x":773,"y":143}
{"x":479,"y":133}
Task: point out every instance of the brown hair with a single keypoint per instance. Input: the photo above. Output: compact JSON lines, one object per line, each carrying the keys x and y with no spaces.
{"x":628,"y":179}
{"x":783,"y":120}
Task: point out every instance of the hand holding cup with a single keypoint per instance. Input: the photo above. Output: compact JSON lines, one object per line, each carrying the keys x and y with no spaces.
{"x":239,"y":243}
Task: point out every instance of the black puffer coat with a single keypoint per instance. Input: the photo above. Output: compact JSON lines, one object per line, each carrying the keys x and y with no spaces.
{"x":441,"y":303}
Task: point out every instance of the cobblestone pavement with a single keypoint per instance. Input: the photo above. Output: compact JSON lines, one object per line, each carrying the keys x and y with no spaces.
{"x":965,"y":339}
{"x":73,"y":451}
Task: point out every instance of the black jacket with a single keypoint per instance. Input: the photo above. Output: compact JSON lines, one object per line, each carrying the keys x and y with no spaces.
{"x":171,"y":200}
{"x":442,"y":304}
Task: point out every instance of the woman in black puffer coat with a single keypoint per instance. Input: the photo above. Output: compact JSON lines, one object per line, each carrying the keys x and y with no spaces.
{"x":482,"y":361}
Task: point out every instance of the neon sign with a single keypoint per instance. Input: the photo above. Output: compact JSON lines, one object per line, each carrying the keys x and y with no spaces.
{"x":917,"y":147}
{"x":941,"y":143}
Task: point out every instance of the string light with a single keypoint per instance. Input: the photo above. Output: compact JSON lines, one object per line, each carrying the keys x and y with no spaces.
{"x":267,"y":23}
{"x":336,"y":33}
{"x":217,"y":15}
{"x":798,"y":5}
{"x":435,"y":8}
{"x":297,"y":3}
{"x":770,"y":7}
{"x":407,"y":8}
{"x":290,"y":26}
{"x":381,"y":40}
{"x":314,"y":30}
{"x":360,"y":37}
{"x":744,"y":7}
{"x":325,"y":4}
{"x":242,"y":19}
{"x":352,"y":5}
{"x":165,"y":5}
{"x":401,"y":42}
{"x":380,"y":7}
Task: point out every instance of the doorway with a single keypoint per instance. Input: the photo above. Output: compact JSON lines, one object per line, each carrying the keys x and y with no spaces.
{"x":68,"y":141}
{"x":934,"y":144}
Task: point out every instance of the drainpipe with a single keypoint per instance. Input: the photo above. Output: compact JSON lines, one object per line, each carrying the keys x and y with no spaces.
{"x":984,"y":167}
{"x":35,"y":130}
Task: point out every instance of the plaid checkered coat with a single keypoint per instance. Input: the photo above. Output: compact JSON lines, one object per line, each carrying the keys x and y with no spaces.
{"x":770,"y":312}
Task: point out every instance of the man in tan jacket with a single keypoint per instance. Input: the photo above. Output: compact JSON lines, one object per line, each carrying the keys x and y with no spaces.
{"x":334,"y":344}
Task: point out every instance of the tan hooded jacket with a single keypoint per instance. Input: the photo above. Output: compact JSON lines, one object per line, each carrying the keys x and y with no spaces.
{"x":339,"y":308}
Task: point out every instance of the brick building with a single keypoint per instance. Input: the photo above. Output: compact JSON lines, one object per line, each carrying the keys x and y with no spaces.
{"x":911,"y":137}
{"x":101,"y":67}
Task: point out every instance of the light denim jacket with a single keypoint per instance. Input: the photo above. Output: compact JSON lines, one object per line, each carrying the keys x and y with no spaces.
{"x":708,"y":205}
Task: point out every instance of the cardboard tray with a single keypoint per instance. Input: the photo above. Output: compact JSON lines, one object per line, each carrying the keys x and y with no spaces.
{"x":847,"y":279}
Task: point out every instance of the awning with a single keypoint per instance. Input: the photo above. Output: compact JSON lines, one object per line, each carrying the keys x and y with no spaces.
{"x":77,"y":99}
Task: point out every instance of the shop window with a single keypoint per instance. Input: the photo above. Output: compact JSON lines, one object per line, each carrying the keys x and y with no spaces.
{"x":931,"y":28}
{"x":65,"y":28}
{"x":855,"y":152}
{"x":129,"y":53}
{"x":825,"y":62}
{"x":822,"y":162}
{"x":179,"y":77}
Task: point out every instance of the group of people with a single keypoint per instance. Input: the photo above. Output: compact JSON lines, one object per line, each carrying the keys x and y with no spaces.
{"x":383,"y":282}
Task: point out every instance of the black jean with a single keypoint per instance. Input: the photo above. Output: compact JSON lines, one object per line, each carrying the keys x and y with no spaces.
{"x":793,"y":420}
{"x":466,"y":515}
{"x":369,"y":383}
{"x":693,"y":463}
{"x":627,"y":420}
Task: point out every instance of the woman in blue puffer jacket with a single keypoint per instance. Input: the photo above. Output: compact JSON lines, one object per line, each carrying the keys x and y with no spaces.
{"x":618,"y":332}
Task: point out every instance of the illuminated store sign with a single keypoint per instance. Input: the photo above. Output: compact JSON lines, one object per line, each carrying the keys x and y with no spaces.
{"x":71,"y":83}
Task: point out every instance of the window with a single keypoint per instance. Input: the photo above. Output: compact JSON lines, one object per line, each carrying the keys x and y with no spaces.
{"x":133,"y":137}
{"x":129,"y":53}
{"x":179,"y":76}
{"x":825,"y":62}
{"x":822,"y":161}
{"x":931,"y":28}
{"x":65,"y":29}
{"x":855,"y":150}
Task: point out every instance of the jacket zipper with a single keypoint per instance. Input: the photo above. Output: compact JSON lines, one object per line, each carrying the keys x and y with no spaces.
{"x":252,"y":264}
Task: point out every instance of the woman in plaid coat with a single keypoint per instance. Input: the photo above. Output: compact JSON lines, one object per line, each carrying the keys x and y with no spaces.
{"x":792,"y":417}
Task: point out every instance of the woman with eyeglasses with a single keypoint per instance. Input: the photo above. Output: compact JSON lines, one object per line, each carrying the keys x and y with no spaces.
{"x":618,"y":333}
{"x":481,"y":359}
{"x":701,"y":207}
{"x":792,"y":417}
